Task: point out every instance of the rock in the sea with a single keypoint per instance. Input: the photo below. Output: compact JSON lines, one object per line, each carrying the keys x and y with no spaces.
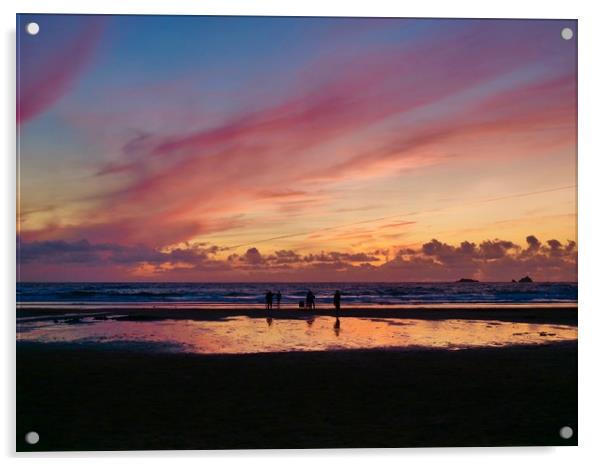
{"x":467,"y":280}
{"x":526,"y":279}
{"x":513,"y":280}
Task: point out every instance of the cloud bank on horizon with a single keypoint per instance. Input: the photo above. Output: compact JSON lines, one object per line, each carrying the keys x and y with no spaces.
{"x":305,"y":148}
{"x":491,"y":260}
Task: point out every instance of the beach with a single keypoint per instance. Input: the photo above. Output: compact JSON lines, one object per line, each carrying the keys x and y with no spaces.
{"x":87,"y":398}
{"x":123,"y":395}
{"x":564,"y":313}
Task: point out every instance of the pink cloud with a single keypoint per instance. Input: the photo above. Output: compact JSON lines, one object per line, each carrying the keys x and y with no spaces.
{"x":177,"y":186}
{"x":48,"y":77}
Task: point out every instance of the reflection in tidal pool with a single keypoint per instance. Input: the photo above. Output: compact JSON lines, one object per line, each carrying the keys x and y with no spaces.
{"x":249,"y":335}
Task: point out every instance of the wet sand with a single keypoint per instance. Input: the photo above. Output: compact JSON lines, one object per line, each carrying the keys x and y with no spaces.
{"x":94,"y":397}
{"x":530,"y":314}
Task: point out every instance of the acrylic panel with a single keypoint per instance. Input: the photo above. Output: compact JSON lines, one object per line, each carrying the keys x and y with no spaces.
{"x":295,"y":232}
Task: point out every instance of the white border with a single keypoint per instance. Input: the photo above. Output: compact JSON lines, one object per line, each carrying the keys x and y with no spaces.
{"x":590,"y":234}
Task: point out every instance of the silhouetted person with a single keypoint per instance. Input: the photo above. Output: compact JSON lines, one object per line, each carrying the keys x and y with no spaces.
{"x":278,"y":298}
{"x":337,"y":302}
{"x":269,"y":296}
{"x":269,"y":321}
{"x":310,"y":300}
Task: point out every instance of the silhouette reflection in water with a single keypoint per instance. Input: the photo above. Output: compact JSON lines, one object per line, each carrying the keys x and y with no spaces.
{"x":268,"y":306}
{"x":337,"y":327}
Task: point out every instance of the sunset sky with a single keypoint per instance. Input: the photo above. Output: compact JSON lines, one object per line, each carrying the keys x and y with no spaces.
{"x":240,"y":149}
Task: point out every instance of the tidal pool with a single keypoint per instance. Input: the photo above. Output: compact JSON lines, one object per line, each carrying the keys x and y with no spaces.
{"x":236,"y":335}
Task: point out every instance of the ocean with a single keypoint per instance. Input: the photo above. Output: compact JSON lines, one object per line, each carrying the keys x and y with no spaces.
{"x":252,"y":294}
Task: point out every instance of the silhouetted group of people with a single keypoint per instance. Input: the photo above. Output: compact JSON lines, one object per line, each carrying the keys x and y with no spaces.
{"x":269,"y":299}
{"x":309,"y":303}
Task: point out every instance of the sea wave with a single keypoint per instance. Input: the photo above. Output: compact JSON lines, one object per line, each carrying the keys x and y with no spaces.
{"x":244,"y":293}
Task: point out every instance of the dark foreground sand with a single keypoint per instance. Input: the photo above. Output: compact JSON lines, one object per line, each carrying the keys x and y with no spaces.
{"x":96,"y":398}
